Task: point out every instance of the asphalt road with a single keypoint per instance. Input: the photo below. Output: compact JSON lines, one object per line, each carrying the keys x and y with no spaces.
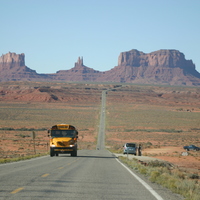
{"x":93,"y":174}
{"x":101,"y":134}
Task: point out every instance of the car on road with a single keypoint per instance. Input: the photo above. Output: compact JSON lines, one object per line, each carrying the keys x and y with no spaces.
{"x":130,"y":148}
{"x":192,"y":147}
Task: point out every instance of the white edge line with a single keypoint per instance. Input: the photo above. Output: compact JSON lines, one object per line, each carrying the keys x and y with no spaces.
{"x":149,"y":188}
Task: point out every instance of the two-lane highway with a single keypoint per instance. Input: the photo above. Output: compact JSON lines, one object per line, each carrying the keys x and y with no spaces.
{"x":93,"y":174}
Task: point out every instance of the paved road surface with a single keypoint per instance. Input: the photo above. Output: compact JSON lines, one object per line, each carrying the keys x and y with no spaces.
{"x":91,"y":175}
{"x":101,"y":134}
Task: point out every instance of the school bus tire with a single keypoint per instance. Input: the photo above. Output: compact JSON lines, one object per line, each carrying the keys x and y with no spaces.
{"x":74,"y":153}
{"x":52,"y":152}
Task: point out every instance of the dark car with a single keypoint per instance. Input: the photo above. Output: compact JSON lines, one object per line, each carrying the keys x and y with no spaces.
{"x":191,"y":147}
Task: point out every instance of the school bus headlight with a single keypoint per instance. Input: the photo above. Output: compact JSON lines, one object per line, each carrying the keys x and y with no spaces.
{"x":71,"y":145}
{"x":53,"y":145}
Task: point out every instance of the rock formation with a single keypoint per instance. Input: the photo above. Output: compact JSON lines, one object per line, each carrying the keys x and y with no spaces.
{"x":159,"y":67}
{"x":78,"y":73}
{"x":79,"y":62}
{"x":12,"y":60}
{"x":167,"y":67}
{"x":12,"y":68}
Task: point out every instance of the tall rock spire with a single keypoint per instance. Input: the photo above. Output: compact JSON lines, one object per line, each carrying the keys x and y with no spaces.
{"x":79,"y":62}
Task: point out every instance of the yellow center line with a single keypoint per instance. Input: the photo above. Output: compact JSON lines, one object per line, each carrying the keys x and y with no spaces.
{"x":17,"y":190}
{"x":74,"y":160}
{"x":70,"y":163}
{"x":44,"y":175}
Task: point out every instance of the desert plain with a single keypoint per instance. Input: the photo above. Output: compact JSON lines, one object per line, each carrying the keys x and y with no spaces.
{"x":162,"y":119}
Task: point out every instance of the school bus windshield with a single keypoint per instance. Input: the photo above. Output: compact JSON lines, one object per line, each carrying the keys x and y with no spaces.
{"x":63,"y":133}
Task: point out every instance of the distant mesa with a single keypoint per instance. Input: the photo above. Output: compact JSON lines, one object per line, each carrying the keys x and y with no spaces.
{"x":12,"y":59}
{"x":165,"y":67}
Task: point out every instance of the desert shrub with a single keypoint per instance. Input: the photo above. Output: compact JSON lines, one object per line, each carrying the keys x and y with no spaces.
{"x":7,"y":129}
{"x":143,"y":170}
{"x":154,"y":130}
{"x":129,"y":130}
{"x":30,"y":129}
{"x":23,"y":136}
{"x":179,"y":109}
{"x":179,"y":174}
{"x":194,"y":176}
{"x":147,"y":145}
{"x":157,"y":163}
{"x":195,"y":129}
{"x":154,"y":176}
{"x":189,"y":189}
{"x":22,"y":129}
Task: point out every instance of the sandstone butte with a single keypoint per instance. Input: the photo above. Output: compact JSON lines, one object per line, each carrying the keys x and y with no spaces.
{"x":164,"y":67}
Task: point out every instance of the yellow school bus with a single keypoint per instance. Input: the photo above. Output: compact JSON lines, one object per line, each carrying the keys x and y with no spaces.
{"x":63,"y":139}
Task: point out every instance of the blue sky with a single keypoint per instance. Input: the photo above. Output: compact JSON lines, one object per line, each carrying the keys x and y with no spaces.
{"x":54,"y":33}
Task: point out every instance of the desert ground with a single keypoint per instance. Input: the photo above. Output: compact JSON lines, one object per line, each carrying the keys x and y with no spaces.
{"x":163,"y":119}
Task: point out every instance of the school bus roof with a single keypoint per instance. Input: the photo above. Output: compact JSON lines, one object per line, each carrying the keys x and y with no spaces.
{"x":63,"y":127}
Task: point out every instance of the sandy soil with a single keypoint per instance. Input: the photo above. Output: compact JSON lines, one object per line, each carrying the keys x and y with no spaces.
{"x":174,"y":155}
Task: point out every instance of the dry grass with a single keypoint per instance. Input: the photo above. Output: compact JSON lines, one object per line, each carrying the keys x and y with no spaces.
{"x":44,"y":115}
{"x":158,"y":124}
